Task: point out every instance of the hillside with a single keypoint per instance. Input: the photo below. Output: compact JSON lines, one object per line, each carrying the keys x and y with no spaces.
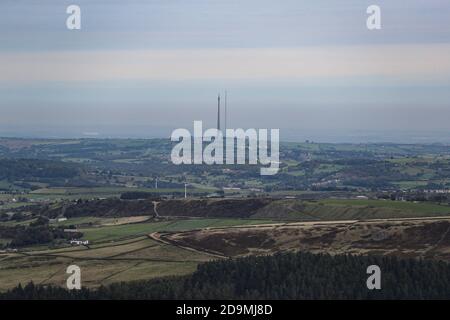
{"x":292,"y":209}
{"x":407,"y":238}
{"x":281,"y":276}
{"x":255,"y":208}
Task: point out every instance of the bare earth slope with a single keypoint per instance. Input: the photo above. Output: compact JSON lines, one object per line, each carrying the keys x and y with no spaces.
{"x":419,"y":238}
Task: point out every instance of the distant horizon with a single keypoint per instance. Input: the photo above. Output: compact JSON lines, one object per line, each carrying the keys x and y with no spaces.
{"x":299,"y":66}
{"x":286,"y":136}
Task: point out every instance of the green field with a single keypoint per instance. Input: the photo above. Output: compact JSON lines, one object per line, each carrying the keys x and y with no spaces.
{"x":116,"y":253}
{"x":111,"y":233}
{"x":135,"y":260}
{"x":80,"y":221}
{"x":55,"y":194}
{"x":125,"y":252}
{"x":108,"y":190}
{"x":416,"y":207}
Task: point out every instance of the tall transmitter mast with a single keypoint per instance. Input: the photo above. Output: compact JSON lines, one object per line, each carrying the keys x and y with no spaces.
{"x":218,"y":112}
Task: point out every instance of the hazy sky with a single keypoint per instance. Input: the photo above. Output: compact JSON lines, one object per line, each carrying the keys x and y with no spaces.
{"x":144,"y":68}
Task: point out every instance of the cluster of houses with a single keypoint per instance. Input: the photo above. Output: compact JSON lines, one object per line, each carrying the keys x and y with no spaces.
{"x":437,"y":191}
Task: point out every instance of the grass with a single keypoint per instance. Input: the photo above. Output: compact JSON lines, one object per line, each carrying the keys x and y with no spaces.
{"x":125,"y":253}
{"x":18,"y":223}
{"x":129,"y":260}
{"x":188,"y":224}
{"x":411,"y":184}
{"x":345,"y":209}
{"x":4,"y":241}
{"x":372,"y":209}
{"x":421,"y":207}
{"x":107,"y":190}
{"x":111,"y":233}
{"x":82,"y":220}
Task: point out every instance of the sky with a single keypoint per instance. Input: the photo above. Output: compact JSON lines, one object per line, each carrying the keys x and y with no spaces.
{"x":144,"y":68}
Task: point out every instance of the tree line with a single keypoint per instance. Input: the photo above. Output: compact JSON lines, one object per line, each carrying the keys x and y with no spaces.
{"x":38,"y":232}
{"x":280,"y":276}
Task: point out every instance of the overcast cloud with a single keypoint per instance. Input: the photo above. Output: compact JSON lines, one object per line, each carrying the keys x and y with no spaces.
{"x":143,"y":68}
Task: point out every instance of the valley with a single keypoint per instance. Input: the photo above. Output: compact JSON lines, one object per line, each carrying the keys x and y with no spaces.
{"x":118,"y":209}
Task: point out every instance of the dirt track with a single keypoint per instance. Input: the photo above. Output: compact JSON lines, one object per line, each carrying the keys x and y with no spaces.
{"x":159,"y":237}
